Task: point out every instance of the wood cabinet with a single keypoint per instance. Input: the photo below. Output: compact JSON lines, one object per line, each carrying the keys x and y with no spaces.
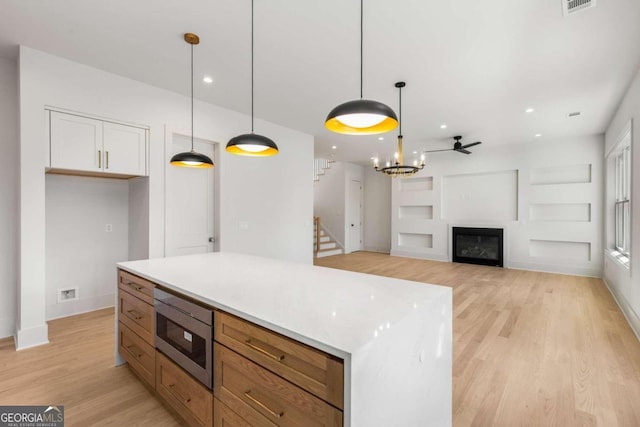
{"x":185,"y":395}
{"x":266,"y":379}
{"x":136,"y":325}
{"x":261,"y":378}
{"x":307,"y":367}
{"x":84,"y":145}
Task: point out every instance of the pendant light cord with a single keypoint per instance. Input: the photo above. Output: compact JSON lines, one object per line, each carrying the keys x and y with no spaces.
{"x":251,"y":66}
{"x":361,"y":42}
{"x":191,"y":97}
{"x":400,"y":111}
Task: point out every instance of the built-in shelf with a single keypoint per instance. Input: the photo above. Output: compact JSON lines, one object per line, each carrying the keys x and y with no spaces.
{"x":415,"y":212}
{"x":415,"y":240}
{"x":416,"y":184}
{"x":565,"y":174}
{"x":569,"y":212}
{"x":556,"y":249}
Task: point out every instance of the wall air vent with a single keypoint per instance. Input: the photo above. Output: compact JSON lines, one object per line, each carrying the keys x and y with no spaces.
{"x":574,"y":114}
{"x":573,"y":6}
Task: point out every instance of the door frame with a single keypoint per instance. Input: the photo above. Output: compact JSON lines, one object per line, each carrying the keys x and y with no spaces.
{"x":169,"y":132}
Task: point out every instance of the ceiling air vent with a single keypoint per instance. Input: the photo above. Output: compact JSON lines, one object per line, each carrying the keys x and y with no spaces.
{"x":574,"y":114}
{"x":573,"y":6}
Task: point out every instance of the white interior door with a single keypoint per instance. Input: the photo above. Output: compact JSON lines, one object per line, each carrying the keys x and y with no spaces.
{"x":189,"y":198}
{"x":354,"y":217}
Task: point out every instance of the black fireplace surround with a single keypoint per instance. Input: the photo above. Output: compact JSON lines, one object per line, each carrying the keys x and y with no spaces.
{"x":482,"y":246}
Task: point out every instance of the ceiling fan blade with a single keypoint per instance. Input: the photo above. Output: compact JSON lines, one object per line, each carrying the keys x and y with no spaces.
{"x":462,"y":150}
{"x":471,"y":145}
{"x":435,"y":151}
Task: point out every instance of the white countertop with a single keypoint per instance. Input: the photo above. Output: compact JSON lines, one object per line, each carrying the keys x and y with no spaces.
{"x":334,"y":310}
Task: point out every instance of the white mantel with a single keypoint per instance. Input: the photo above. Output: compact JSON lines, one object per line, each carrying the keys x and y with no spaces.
{"x":395,"y":336}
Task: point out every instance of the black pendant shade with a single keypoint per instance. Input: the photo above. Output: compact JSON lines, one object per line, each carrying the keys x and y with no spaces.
{"x":252,"y":144}
{"x":191,"y":159}
{"x":361,"y":116}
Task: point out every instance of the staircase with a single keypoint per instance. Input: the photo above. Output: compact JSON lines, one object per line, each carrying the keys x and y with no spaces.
{"x":319,"y":166}
{"x":327,"y":246}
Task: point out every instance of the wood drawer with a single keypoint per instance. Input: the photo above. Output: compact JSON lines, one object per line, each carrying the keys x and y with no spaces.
{"x":225,"y":417}
{"x":137,"y":315}
{"x":136,"y":286}
{"x":264,"y":399}
{"x":311,"y":369}
{"x":190,"y":399}
{"x":140,"y":355}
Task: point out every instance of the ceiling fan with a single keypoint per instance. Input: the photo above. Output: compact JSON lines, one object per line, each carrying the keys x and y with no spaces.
{"x":457,"y":146}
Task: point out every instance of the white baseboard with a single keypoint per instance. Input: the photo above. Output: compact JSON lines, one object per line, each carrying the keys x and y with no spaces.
{"x":627,"y":311}
{"x":82,"y":305}
{"x":377,"y":249}
{"x":554,"y":268}
{"x":408,"y":254}
{"x":31,"y":337}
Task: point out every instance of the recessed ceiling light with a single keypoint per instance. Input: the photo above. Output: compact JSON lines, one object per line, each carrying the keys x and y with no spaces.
{"x":443,"y":126}
{"x":415,"y":152}
{"x":333,"y":147}
{"x":207,"y":79}
{"x":380,"y":138}
{"x":538,"y":135}
{"x":529,"y":110}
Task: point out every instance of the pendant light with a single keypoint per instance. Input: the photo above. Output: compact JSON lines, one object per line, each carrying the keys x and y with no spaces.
{"x":397,"y":168}
{"x":361,"y":116}
{"x":191,"y":159}
{"x":252,"y":144}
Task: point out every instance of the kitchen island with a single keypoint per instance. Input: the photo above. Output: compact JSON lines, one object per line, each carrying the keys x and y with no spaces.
{"x":393,"y":336}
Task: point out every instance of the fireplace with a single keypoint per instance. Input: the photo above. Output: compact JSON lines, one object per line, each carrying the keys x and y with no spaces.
{"x":482,"y":246}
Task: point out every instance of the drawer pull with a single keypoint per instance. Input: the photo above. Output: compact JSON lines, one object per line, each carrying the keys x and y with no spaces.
{"x":265,"y":352}
{"x":273,"y":413}
{"x":134,"y":350}
{"x":134,"y":286}
{"x":135,"y":314}
{"x":178,"y":395}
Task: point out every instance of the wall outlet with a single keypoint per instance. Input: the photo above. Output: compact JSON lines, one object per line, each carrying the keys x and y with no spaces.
{"x":108,"y":228}
{"x":67,"y":294}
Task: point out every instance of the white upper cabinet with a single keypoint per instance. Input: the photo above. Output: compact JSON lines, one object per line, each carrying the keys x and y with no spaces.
{"x":81,"y":144}
{"x":124,"y":149}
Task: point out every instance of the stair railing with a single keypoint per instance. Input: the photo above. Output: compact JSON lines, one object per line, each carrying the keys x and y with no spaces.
{"x":316,"y":223}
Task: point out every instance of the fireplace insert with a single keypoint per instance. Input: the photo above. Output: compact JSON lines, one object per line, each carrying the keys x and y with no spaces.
{"x":482,"y":246}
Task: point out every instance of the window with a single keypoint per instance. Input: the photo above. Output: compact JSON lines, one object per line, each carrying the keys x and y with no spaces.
{"x":623,"y":200}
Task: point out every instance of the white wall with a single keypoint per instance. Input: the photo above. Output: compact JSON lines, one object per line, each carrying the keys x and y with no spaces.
{"x":80,"y":253}
{"x":547,"y":197}
{"x":329,"y":194}
{"x":624,"y":282}
{"x":274,"y":195}
{"x":377,"y":211}
{"x":138,"y":218}
{"x":9,"y":143}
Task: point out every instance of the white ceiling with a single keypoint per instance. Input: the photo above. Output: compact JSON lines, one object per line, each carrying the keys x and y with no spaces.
{"x":473,"y":65}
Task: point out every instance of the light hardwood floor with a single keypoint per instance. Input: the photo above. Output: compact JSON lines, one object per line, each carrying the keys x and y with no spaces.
{"x":77,"y":370}
{"x":530,"y":349}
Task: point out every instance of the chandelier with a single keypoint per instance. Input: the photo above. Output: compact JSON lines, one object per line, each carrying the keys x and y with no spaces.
{"x":397,"y":168}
